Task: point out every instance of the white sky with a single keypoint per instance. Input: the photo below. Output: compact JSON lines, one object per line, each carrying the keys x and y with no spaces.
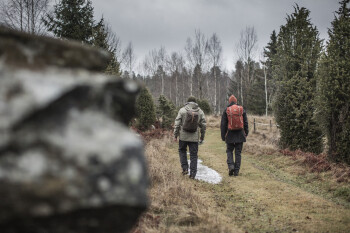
{"x":150,"y":24}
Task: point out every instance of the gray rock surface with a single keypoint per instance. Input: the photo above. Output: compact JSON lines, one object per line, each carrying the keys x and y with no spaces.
{"x":36,"y":52}
{"x":68,"y":161}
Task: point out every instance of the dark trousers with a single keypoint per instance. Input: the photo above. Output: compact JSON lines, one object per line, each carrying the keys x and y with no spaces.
{"x":193,"y":147}
{"x":238,"y":149}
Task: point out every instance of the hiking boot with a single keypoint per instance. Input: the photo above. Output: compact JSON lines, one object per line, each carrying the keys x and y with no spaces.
{"x":235,"y":173}
{"x":230,"y":172}
{"x":184,"y":172}
{"x":192,"y":176}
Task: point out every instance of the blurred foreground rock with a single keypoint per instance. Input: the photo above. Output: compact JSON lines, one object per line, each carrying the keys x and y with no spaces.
{"x":68,"y":162}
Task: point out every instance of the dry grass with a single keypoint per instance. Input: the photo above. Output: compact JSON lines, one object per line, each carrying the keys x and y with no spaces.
{"x":213,"y":121}
{"x":264,"y":141}
{"x":269,"y":196}
{"x":175,"y":206}
{"x":251,"y":201}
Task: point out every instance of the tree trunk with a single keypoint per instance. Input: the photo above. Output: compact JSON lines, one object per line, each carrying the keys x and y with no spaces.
{"x":191,"y":86}
{"x":207,"y":81}
{"x":32,"y":18}
{"x":266,"y":103}
{"x":183,"y":89}
{"x":215,"y":105}
{"x":219,"y":104}
{"x":242,"y":88}
{"x":21,"y":13}
{"x":28,"y":16}
{"x":176,"y":90}
{"x":162,"y":84}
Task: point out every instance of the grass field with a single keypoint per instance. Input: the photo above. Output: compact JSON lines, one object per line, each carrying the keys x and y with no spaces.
{"x":274,"y":193}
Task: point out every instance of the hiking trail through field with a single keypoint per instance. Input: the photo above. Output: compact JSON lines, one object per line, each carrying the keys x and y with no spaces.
{"x":265,"y":199}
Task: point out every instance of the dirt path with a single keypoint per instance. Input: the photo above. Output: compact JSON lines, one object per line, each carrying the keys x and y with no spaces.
{"x":260,"y":201}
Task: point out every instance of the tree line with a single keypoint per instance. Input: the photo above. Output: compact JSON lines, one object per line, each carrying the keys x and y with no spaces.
{"x":300,"y":78}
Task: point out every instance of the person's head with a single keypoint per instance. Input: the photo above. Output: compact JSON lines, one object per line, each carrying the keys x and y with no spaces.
{"x":192,"y":99}
{"x":232,"y":99}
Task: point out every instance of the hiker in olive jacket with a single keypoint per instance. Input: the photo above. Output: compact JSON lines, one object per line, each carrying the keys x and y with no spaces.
{"x":234,"y":139}
{"x":193,"y":114}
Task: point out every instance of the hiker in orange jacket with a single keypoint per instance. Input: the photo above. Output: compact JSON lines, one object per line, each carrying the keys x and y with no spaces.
{"x":234,"y":130}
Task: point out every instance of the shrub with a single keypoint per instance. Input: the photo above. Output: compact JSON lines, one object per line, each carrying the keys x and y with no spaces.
{"x":204,"y":105}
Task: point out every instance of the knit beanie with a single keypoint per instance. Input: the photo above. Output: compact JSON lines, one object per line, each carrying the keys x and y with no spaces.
{"x":192,"y":99}
{"x":232,"y":99}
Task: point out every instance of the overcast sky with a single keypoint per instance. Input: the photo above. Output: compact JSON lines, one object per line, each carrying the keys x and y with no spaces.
{"x":150,"y":24}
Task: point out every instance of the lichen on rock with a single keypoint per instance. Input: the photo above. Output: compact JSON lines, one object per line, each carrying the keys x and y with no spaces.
{"x":68,"y":161}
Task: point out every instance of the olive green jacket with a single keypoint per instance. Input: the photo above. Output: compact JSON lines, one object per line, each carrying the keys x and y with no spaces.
{"x":187,"y":136}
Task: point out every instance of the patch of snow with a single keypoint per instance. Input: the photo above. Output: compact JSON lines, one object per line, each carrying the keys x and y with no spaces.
{"x":206,"y":174}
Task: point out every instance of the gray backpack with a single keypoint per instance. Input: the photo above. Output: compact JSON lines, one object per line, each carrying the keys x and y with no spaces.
{"x":191,"y":121}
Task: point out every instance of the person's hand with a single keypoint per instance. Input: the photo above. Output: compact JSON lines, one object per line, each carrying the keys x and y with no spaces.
{"x":175,"y":139}
{"x":201,"y":142}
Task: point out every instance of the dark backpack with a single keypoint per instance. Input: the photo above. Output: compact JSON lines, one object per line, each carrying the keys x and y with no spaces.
{"x":191,"y":121}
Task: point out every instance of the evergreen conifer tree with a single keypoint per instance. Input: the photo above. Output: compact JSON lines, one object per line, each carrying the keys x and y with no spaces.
{"x":269,"y":53}
{"x":99,"y":35}
{"x":100,"y":39}
{"x":334,"y":86}
{"x":166,"y":110}
{"x":256,"y":96}
{"x":71,"y":19}
{"x":145,"y":110}
{"x":298,"y":50}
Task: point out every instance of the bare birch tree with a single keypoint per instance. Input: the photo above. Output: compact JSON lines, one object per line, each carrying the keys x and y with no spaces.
{"x":154,"y":60}
{"x":246,"y":48}
{"x":197,"y":51}
{"x":215,"y":51}
{"x":24,"y":15}
{"x":129,"y":58}
{"x":175,"y":66}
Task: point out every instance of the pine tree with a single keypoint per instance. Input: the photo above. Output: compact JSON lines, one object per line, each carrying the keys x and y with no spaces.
{"x":145,"y":110}
{"x":334,"y":86}
{"x":166,"y":111}
{"x":99,"y":35}
{"x":270,"y":50}
{"x":71,"y":19}
{"x":298,"y":50}
{"x":100,"y":39}
{"x":269,"y":53}
{"x":255,"y":97}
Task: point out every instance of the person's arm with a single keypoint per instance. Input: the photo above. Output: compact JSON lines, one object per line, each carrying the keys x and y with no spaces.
{"x":202,"y":125}
{"x":245,"y":120}
{"x":223,"y":126}
{"x":177,"y":125}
